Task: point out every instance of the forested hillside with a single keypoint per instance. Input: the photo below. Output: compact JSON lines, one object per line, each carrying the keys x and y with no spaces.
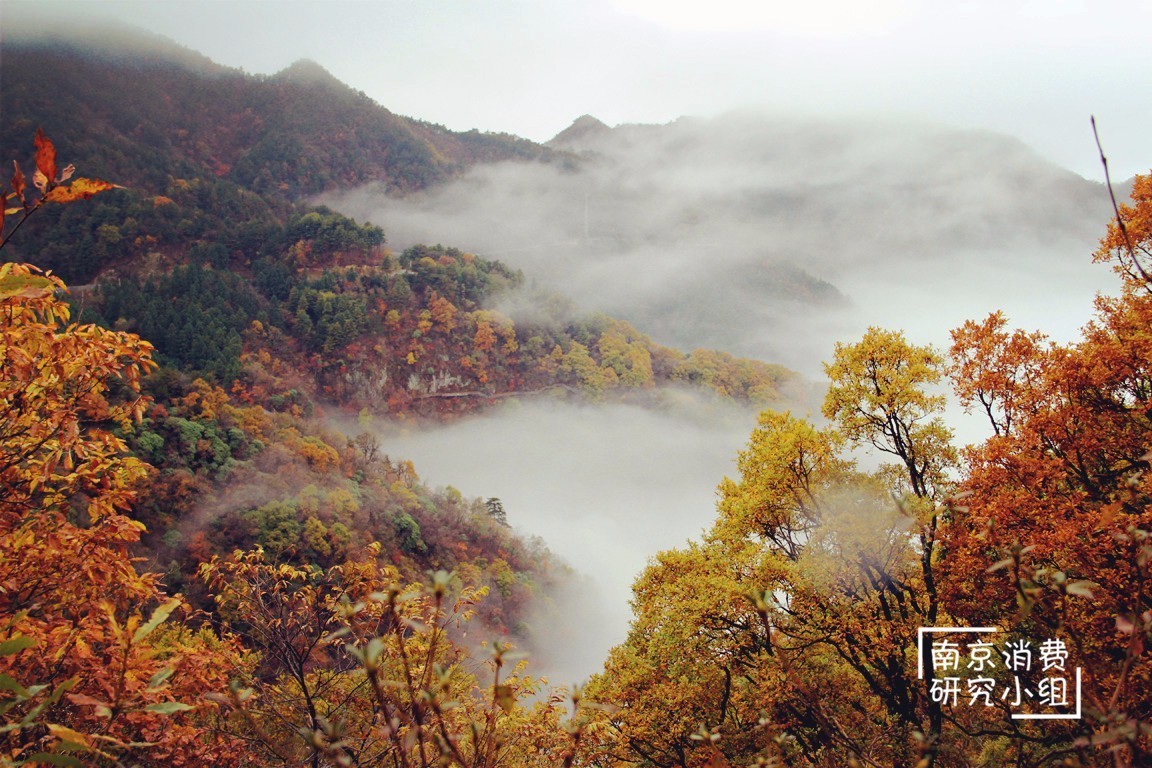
{"x":134,"y":493}
{"x":208,"y":254}
{"x":209,"y":155}
{"x":144,"y":109}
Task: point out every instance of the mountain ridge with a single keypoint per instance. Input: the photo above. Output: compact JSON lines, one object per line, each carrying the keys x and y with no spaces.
{"x":275,"y":134}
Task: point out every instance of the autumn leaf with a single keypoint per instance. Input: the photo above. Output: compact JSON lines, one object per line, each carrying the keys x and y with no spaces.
{"x":19,"y":183}
{"x":159,"y":616}
{"x":505,"y":697}
{"x":83,"y":700}
{"x":81,"y":189}
{"x":45,"y":155}
{"x":25,"y":286}
{"x":69,"y":736}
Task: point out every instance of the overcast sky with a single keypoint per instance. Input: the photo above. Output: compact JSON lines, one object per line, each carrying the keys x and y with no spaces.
{"x":1032,"y":68}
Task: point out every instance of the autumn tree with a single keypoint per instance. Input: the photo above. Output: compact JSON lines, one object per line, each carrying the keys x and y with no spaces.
{"x":1060,"y":499}
{"x":358,"y":669}
{"x":880,"y":395}
{"x":89,"y":669}
{"x":808,"y":583}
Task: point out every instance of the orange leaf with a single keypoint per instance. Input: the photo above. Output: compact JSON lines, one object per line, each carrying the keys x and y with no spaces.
{"x":18,"y":182}
{"x":81,"y":189}
{"x":45,"y":155}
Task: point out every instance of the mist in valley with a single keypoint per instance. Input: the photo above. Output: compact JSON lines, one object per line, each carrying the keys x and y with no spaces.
{"x":605,"y":486}
{"x":768,"y":238}
{"x":774,"y":237}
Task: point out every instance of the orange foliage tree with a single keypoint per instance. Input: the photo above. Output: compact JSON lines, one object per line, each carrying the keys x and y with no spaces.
{"x":85,"y":677}
{"x":788,"y":636}
{"x":1061,"y":496}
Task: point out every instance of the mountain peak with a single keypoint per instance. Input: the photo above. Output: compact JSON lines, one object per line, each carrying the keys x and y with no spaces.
{"x":582,"y":128}
{"x":308,"y":72}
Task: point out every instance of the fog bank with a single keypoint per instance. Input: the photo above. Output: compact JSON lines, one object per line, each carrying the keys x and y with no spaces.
{"x":774,"y":237}
{"x":605,"y":486}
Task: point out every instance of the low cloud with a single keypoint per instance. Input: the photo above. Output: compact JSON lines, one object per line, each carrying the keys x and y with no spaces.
{"x":606,"y":487}
{"x":774,"y":237}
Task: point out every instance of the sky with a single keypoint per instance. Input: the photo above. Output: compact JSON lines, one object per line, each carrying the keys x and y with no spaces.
{"x":1034,"y":69}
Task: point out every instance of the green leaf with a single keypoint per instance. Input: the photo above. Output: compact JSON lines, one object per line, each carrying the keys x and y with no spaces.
{"x":57,"y":692}
{"x":61,"y":689}
{"x":158,"y":617}
{"x":16,"y":644}
{"x":168,"y":707}
{"x":160,"y":677}
{"x":8,"y":684}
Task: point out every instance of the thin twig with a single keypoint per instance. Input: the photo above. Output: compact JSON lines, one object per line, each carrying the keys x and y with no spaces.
{"x":1116,"y":208}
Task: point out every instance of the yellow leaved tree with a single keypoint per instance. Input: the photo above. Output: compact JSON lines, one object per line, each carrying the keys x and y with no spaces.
{"x":89,"y":671}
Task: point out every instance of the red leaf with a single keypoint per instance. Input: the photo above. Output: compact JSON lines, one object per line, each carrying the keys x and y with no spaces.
{"x":18,"y":183}
{"x":45,"y":155}
{"x":84,"y":700}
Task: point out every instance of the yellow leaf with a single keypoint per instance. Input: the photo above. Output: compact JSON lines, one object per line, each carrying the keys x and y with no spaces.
{"x":25,"y":286}
{"x":81,"y":189}
{"x":505,"y":697}
{"x":67,"y":734}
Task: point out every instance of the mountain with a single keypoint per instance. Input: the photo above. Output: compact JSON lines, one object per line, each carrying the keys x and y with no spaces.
{"x":306,"y":72}
{"x":208,"y":154}
{"x":136,"y":107}
{"x":211,"y":253}
{"x":771,"y":235}
{"x":975,"y":187}
{"x":582,"y":129}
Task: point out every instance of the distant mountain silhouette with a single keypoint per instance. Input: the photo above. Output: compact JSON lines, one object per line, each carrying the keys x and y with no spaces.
{"x":139,"y":108}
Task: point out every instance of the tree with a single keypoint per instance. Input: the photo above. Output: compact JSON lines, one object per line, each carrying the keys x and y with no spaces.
{"x":358,"y":669}
{"x":84,"y":668}
{"x":1059,"y":497}
{"x":786,"y":633}
{"x":496,"y":511}
{"x":879,"y":395}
